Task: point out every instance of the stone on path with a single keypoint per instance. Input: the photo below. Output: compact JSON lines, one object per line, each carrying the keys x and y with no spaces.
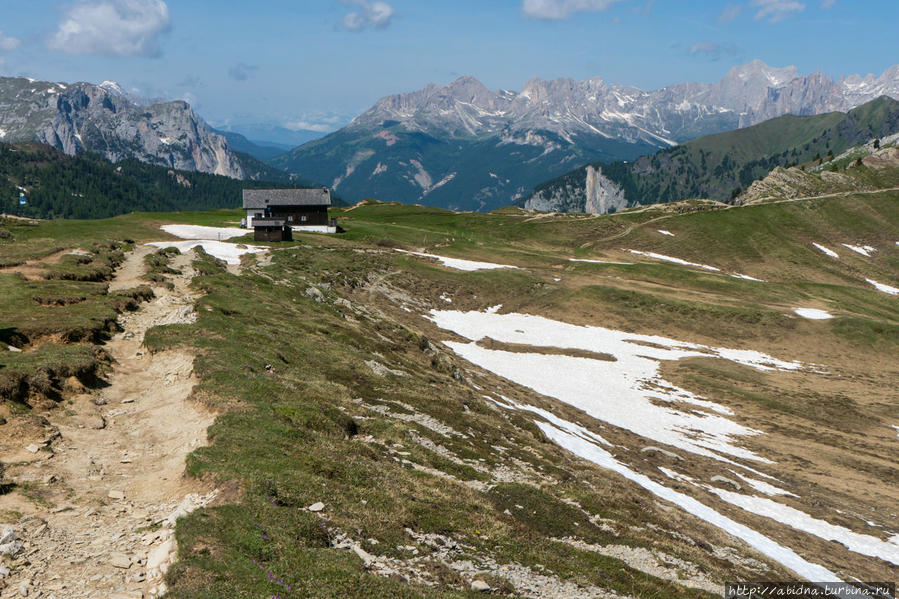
{"x":119,"y":560}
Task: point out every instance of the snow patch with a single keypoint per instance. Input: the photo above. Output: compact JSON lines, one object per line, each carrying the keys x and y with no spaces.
{"x":628,"y":392}
{"x":574,"y":439}
{"x":763,"y":487}
{"x":827,"y":251}
{"x":458,"y":263}
{"x":812,"y":313}
{"x":747,"y":278}
{"x":884,"y":288}
{"x":668,"y":233}
{"x":598,"y":261}
{"x":674,"y":260}
{"x":206,"y":233}
{"x":229,"y":252}
{"x":2,"y":133}
{"x":864,"y":250}
{"x":855,"y":542}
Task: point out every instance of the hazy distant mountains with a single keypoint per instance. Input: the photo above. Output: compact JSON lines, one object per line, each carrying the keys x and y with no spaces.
{"x":104,"y":119}
{"x":466,"y":147}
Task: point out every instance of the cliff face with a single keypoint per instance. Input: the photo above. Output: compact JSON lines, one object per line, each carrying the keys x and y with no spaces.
{"x":599,"y":195}
{"x":86,"y":117}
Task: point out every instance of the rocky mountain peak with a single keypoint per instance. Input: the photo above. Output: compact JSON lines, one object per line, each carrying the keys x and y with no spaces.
{"x":104,"y":119}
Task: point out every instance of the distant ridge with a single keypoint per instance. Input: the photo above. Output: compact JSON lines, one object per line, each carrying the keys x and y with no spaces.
{"x":464,"y":146}
{"x":717,"y":167}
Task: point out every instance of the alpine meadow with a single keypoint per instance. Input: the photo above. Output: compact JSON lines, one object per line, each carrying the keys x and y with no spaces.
{"x":273,"y":326}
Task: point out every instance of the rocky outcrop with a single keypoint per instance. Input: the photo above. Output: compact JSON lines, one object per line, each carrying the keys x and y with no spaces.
{"x":101,"y":119}
{"x":599,"y":195}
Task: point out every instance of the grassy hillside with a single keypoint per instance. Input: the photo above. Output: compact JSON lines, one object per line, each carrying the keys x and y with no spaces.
{"x":87,"y":186}
{"x":720,"y":167}
{"x":330,"y":386}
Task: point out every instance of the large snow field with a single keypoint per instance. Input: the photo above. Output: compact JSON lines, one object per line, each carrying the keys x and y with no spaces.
{"x":458,"y":263}
{"x":206,"y":233}
{"x":585,"y":444}
{"x":229,"y":252}
{"x":627,"y":392}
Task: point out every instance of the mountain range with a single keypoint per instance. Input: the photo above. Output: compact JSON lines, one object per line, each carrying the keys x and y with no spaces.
{"x":717,"y":167}
{"x":463,"y":146}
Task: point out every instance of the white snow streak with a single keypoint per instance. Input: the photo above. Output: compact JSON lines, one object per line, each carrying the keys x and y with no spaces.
{"x":864,"y":250}
{"x":674,"y":260}
{"x":827,"y":251}
{"x":668,"y":233}
{"x":812,"y":313}
{"x":884,"y":288}
{"x":598,"y":261}
{"x":856,"y":542}
{"x":460,"y":264}
{"x":572,"y":438}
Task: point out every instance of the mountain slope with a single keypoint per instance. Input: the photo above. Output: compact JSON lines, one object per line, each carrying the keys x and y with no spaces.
{"x":465,"y":146}
{"x":240,"y":143}
{"x":103,"y":119}
{"x":88,"y":186}
{"x":718,"y":166}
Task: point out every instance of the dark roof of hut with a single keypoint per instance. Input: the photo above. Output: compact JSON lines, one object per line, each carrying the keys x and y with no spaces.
{"x":260,"y":198}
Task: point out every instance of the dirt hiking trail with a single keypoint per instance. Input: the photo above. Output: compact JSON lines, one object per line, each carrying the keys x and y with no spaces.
{"x":101,"y":483}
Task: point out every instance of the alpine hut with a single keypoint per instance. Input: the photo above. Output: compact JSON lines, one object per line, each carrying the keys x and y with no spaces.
{"x":300,"y":209}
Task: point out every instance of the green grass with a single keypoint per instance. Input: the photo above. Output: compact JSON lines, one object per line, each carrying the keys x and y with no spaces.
{"x":294,"y":434}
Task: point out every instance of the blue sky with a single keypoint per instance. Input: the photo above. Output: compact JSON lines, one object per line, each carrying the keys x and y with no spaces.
{"x":317,"y":63}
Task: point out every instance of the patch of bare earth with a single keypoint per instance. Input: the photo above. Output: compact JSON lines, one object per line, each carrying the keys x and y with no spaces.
{"x":95,"y":505}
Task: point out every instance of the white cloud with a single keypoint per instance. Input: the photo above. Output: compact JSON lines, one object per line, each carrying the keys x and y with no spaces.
{"x":112,"y":27}
{"x":730,"y":12}
{"x":825,"y":4}
{"x":376,"y":15}
{"x":713,"y":50}
{"x":562,"y":9}
{"x":242,"y":71}
{"x":8,"y":43}
{"x":776,"y":10}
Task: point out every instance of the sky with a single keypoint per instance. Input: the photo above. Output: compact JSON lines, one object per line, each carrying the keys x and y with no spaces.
{"x":315,"y":64}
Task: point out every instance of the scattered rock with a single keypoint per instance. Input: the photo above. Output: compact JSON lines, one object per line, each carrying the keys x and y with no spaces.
{"x":13,"y":349}
{"x":480,"y":586}
{"x":158,"y":558}
{"x":12,"y":548}
{"x":728,"y":481}
{"x":316,"y":507}
{"x":315,"y":294}
{"x":119,"y":560}
{"x":8,"y":535}
{"x":116,"y":494}
{"x":664,"y":452}
{"x":128,"y":400}
{"x":24,"y":587}
{"x":381,"y":370}
{"x":34,"y":448}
